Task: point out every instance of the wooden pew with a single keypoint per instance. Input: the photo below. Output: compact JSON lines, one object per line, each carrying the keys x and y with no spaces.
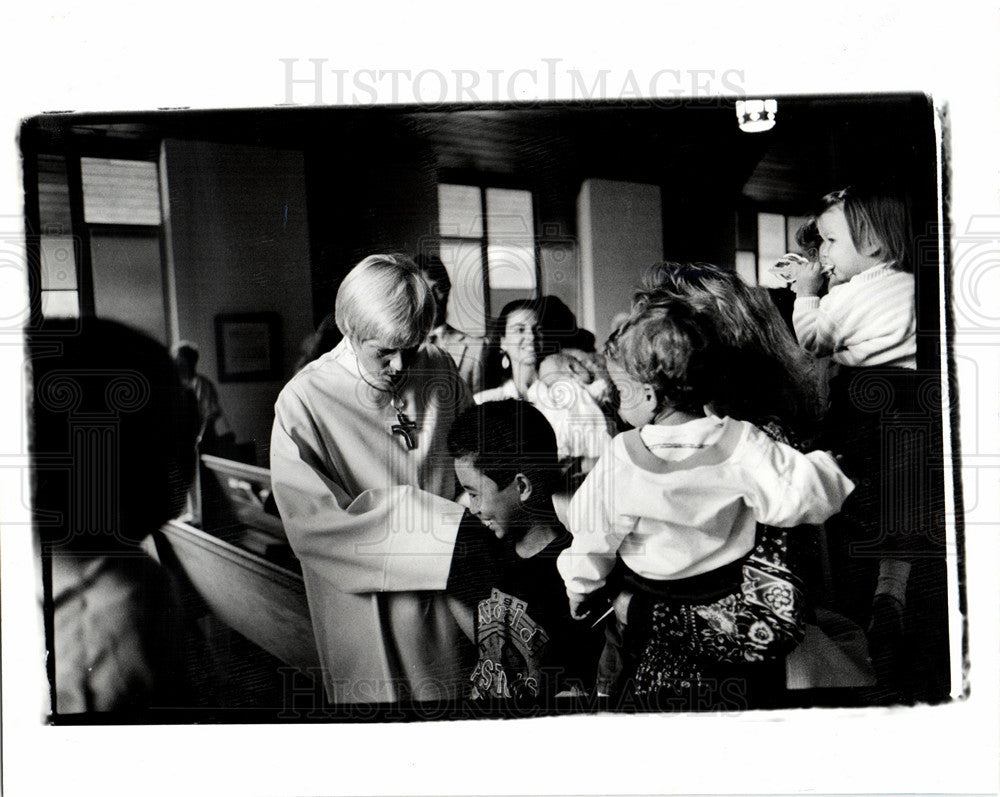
{"x":234,"y":562}
{"x":236,"y":497}
{"x":262,"y":600}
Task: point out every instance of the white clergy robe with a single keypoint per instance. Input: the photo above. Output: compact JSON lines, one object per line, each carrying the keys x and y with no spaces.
{"x":373,"y":524}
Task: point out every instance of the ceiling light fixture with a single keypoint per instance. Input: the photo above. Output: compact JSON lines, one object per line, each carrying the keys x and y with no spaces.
{"x":756,"y":116}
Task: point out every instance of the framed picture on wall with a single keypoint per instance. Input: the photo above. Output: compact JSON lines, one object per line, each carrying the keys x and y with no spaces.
{"x":248,"y":346}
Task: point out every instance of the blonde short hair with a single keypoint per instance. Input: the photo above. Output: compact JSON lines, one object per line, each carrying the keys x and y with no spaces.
{"x":384,"y":297}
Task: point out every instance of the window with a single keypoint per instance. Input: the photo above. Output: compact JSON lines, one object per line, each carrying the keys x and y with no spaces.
{"x":59,"y":254}
{"x":120,"y":192}
{"x":487,"y":237}
{"x":773,"y":235}
{"x":108,"y":262}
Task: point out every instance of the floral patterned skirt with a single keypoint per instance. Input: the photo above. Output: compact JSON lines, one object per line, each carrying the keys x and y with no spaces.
{"x":759,"y":622}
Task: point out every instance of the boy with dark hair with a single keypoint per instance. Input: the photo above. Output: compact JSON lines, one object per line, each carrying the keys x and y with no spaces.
{"x":529,"y":647}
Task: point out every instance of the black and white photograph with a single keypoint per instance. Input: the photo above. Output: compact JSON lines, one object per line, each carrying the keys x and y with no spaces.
{"x":489,"y":314}
{"x":373,"y":415}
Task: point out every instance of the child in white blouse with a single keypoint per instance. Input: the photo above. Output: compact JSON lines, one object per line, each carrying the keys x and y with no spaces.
{"x":678,"y":499}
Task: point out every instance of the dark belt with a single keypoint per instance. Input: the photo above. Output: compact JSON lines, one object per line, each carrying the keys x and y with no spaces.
{"x":702,"y":588}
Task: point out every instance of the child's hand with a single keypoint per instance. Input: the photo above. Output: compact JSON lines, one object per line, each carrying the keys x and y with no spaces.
{"x":579,"y":607}
{"x":787,"y":268}
{"x":599,"y":603}
{"x":621,"y":606}
{"x":809,"y":279}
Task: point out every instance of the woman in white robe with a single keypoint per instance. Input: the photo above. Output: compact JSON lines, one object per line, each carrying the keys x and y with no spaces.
{"x":363,"y":482}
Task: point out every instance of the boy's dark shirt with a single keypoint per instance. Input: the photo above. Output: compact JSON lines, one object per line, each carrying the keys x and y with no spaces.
{"x":529,"y":645}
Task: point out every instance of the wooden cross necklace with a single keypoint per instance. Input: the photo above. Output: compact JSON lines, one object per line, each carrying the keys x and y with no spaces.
{"x":404,"y":427}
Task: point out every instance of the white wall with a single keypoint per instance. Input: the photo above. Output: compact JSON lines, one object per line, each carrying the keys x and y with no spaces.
{"x":128,"y":279}
{"x":620,"y":230}
{"x":238,"y":242}
{"x":561,"y":274}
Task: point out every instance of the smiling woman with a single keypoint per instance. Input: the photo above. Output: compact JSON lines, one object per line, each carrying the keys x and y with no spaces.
{"x":528,"y":330}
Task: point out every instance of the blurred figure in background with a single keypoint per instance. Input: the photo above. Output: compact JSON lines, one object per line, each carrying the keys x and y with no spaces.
{"x":468,"y":351}
{"x":319,"y":342}
{"x":214,"y":435}
{"x":113,"y":453}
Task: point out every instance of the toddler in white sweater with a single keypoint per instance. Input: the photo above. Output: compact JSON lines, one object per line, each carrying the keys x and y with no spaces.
{"x":867,"y":318}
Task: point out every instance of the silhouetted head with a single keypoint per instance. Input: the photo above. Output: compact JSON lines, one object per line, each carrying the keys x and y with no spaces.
{"x":113,"y":434}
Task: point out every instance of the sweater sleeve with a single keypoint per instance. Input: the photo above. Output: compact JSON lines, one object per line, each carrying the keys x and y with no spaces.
{"x":789,"y":488}
{"x":814,"y":327}
{"x":597,"y":531}
{"x":392,"y":539}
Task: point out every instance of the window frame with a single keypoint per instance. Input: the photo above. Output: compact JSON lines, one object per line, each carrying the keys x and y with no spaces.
{"x":751,"y":210}
{"x":483,"y":181}
{"x":72,"y":149}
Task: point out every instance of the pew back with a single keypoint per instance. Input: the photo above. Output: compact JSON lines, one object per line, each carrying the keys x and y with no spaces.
{"x":263,"y":601}
{"x":237,"y":494}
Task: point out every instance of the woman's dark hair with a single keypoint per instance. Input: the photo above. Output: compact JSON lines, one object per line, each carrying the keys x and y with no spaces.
{"x":557,"y":328}
{"x":808,"y":238}
{"x":780,"y":380}
{"x":535,"y":305}
{"x":113,"y":434}
{"x":505,"y":438}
